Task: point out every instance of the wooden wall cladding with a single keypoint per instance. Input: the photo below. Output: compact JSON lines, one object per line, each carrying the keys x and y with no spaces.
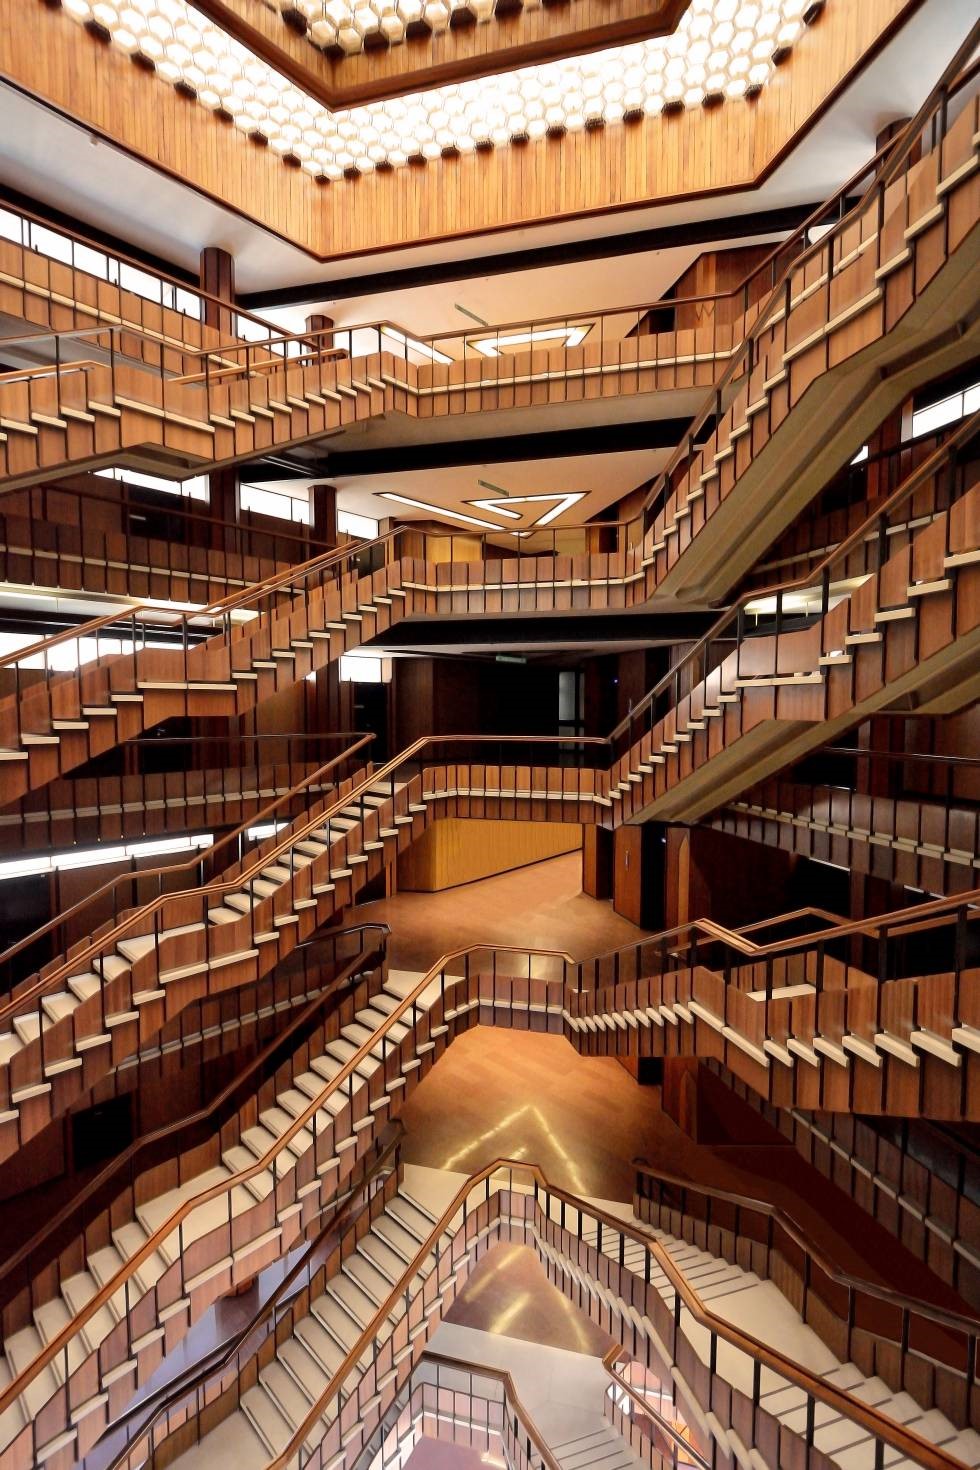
{"x":453,"y":852}
{"x":732,"y":146}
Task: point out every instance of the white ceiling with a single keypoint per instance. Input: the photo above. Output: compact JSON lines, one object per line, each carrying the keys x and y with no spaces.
{"x":52,"y":159}
{"x":603,"y":478}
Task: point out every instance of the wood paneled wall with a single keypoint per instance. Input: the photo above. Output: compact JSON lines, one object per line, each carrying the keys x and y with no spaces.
{"x":734,"y":145}
{"x":454,"y":851}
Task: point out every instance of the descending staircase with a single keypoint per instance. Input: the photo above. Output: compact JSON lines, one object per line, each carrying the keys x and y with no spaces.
{"x":305,"y":1141}
{"x":755,"y":1305}
{"x":257,"y":1145}
{"x":290,"y":1385}
{"x":339,"y":1367}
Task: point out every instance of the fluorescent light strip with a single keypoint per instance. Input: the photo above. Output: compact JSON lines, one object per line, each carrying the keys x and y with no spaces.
{"x":92,"y":857}
{"x":501,"y":505}
{"x":572,"y":335}
{"x":439,"y":510}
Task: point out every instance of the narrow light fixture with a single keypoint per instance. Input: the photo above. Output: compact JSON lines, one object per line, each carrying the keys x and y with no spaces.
{"x":438,"y":510}
{"x":488,"y":346}
{"x":502,"y":506}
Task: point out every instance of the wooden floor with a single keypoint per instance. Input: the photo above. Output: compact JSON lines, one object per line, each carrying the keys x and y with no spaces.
{"x":584,"y":1120}
{"x":527,"y":1096}
{"x":541,"y":906}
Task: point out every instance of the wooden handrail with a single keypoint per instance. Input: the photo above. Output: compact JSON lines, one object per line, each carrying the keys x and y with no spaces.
{"x":267,"y":1160}
{"x":253,"y":1068}
{"x":643,"y":1404}
{"x":939,"y":457}
{"x":178,"y":1388}
{"x":483,"y":1370}
{"x":847,"y":1405}
{"x":960,"y":1321}
{"x":199,"y":856}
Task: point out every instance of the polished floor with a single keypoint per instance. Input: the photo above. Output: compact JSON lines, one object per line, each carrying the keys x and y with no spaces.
{"x":506,"y":1094}
{"x":540,"y":906}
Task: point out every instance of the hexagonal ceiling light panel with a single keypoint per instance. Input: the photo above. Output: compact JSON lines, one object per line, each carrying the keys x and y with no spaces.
{"x":721,"y":50}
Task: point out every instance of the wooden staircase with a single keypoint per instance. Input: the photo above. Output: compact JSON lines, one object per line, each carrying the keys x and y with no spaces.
{"x":795,"y":1025}
{"x":911,"y":629}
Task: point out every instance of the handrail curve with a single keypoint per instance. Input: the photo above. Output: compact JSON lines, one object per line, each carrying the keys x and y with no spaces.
{"x":899,"y":1437}
{"x":708,"y":928}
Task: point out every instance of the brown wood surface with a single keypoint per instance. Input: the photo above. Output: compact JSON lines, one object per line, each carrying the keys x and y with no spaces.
{"x":734,"y":145}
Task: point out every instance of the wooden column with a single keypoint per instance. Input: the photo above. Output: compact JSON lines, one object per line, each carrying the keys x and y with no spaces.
{"x":317,"y":322}
{"x":597,"y":862}
{"x":323,"y":513}
{"x":217,"y":270}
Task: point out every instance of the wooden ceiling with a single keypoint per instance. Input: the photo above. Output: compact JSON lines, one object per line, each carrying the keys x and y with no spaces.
{"x":516,"y":35}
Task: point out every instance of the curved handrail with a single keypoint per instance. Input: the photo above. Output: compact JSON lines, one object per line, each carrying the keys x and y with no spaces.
{"x":921,"y":1450}
{"x":483,"y":1370}
{"x":677,"y":1439}
{"x":120,"y":1162}
{"x":200,"y":855}
{"x":715,"y":931}
{"x":800,"y":1238}
{"x":815,"y":575}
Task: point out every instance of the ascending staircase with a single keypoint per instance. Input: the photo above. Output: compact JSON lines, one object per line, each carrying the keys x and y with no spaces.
{"x":325,"y":1128}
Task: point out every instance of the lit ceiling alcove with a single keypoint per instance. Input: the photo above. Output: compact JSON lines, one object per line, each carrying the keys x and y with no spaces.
{"x":721,"y":50}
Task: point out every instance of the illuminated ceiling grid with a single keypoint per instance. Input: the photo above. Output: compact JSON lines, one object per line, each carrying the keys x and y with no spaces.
{"x":721,"y":49}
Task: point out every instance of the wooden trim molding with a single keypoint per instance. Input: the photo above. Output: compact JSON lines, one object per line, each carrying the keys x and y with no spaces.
{"x":623,"y":167}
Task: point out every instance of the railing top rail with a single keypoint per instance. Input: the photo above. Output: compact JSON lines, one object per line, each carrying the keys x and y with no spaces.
{"x":877,"y":1424}
{"x":483,"y":1370}
{"x":939,"y":757}
{"x":112,"y":252}
{"x":960,"y":1321}
{"x":641,"y":1402}
{"x":917,"y":477}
